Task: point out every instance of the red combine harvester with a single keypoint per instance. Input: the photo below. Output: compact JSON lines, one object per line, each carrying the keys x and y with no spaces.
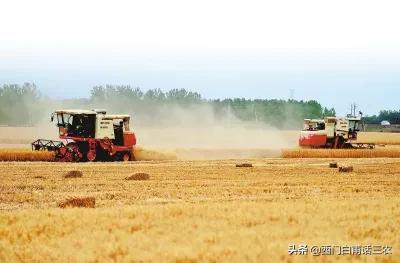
{"x":90,"y":135}
{"x":332,"y":132}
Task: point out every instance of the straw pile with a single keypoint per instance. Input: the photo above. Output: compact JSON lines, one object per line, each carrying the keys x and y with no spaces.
{"x":89,"y":202}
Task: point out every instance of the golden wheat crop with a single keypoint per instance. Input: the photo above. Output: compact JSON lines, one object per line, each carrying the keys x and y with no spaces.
{"x":341,"y":153}
{"x":384,"y":138}
{"x":23,"y":155}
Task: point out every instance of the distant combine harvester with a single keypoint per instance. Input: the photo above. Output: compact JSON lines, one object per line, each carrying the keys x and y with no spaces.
{"x":332,"y":132}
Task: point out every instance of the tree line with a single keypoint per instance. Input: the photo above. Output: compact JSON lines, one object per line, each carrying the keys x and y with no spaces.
{"x":25,"y":105}
{"x":19,"y":104}
{"x":393,"y":116}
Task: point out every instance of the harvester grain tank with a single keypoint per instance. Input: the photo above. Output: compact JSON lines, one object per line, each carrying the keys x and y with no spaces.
{"x":90,"y":135}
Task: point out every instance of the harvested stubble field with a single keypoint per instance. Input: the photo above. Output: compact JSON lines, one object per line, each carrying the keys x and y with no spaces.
{"x":192,"y":211}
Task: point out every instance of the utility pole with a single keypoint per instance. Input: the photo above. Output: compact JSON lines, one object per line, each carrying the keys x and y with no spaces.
{"x":353,"y":108}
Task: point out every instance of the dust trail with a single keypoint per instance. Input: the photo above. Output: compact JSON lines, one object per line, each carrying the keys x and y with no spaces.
{"x":198,"y":133}
{"x":146,"y":154}
{"x":223,"y":154}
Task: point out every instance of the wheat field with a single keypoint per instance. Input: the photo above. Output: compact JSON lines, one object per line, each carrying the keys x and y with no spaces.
{"x":196,"y":211}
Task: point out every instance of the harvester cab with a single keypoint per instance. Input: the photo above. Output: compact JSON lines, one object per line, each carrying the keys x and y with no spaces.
{"x":90,"y":135}
{"x":75,"y":123}
{"x":353,"y":127}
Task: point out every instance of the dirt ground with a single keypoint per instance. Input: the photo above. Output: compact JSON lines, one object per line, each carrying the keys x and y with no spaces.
{"x":190,"y":211}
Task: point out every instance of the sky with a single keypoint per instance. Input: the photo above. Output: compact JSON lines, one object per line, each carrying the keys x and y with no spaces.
{"x":336,"y":52}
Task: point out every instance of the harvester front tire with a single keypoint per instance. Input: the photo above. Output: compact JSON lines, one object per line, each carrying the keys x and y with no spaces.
{"x":91,"y":156}
{"x":73,"y":153}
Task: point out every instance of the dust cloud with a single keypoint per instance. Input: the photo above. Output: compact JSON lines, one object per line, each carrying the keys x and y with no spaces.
{"x":197,"y":133}
{"x":189,"y":132}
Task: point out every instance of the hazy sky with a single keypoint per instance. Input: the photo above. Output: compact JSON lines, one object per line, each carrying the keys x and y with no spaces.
{"x":336,"y":52}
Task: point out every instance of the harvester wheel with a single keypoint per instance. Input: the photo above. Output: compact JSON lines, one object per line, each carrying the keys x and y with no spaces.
{"x":126,"y":156}
{"x":91,"y":155}
{"x":60,"y":153}
{"x":72,"y":153}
